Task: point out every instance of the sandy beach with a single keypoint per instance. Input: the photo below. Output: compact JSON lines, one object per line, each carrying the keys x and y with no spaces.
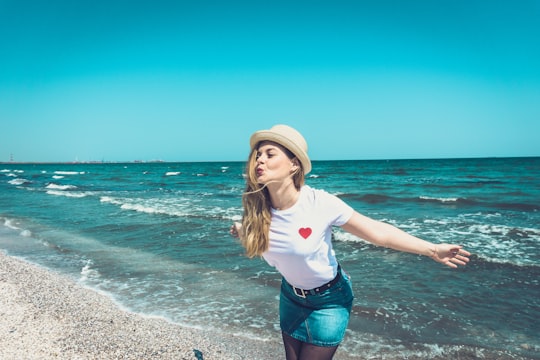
{"x":48,"y":316}
{"x":45,"y":315}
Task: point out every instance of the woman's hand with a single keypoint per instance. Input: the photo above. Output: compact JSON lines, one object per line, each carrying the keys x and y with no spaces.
{"x":450,"y":255}
{"x":235,"y":229}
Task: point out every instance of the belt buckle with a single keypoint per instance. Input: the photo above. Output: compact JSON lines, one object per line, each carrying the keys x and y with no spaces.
{"x":299,"y":292}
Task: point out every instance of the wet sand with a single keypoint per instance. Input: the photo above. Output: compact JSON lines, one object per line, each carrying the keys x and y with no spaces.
{"x":48,"y":316}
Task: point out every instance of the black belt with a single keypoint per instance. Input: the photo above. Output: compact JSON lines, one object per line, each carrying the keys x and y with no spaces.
{"x":302,"y":293}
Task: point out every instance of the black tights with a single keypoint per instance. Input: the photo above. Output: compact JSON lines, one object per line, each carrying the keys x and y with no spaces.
{"x":299,"y":350}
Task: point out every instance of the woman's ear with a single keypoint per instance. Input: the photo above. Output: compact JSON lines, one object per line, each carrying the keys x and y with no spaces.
{"x":295,"y":164}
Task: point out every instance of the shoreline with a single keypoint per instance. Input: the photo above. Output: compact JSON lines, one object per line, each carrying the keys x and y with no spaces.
{"x":48,"y":316}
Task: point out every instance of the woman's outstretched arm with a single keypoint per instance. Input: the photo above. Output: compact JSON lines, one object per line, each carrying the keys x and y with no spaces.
{"x":383,"y":234}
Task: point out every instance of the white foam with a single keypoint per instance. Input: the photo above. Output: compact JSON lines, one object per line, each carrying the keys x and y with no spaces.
{"x":141,"y":208}
{"x":88,"y":272}
{"x":436,"y":222}
{"x":67,"y":194}
{"x":57,"y":177}
{"x":108,"y":199}
{"x":26,"y":233}
{"x":172,"y":173}
{"x":501,"y":244}
{"x":18,"y":181}
{"x":173,"y":207}
{"x":53,"y":186}
{"x":503,"y":230}
{"x":9,"y":224}
{"x":439,"y":199}
{"x":340,"y":235}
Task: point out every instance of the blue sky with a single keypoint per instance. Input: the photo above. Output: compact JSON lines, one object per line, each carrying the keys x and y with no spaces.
{"x":190,"y":81}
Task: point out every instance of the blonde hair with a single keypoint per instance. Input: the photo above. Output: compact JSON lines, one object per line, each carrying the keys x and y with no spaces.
{"x":257,"y":207}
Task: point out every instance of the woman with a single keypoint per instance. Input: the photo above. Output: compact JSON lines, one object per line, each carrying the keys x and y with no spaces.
{"x":290,"y":224}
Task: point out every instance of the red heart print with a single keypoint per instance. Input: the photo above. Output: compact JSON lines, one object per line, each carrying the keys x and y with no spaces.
{"x":304,"y":232}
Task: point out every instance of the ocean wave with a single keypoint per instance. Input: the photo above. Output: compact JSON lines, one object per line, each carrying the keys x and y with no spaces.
{"x":148,"y":209}
{"x":443,"y":200}
{"x":172,"y":173}
{"x":19,"y":181}
{"x":13,"y":225}
{"x":487,"y":236}
{"x":376,"y":199}
{"x":65,"y":190}
{"x":498,"y":244}
{"x":12,"y":172}
{"x":343,"y":236}
{"x":149,"y":206}
{"x":507,"y":231}
{"x":73,"y":194}
{"x":450,"y":201}
{"x":108,"y":199}
{"x":88,"y":272}
{"x":178,"y":207}
{"x":70,"y":172}
{"x":504,"y":244}
{"x":26,"y":233}
{"x":53,"y":186}
{"x":484,"y":260}
{"x":375,"y":346}
{"x":10,"y":224}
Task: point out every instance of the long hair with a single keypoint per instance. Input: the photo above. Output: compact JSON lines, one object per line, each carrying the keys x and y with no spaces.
{"x":257,"y":207}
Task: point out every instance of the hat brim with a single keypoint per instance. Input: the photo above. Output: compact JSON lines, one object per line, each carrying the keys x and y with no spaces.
{"x":269,"y":135}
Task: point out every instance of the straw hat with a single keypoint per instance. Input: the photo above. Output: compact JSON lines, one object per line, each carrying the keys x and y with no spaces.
{"x":287,"y":137}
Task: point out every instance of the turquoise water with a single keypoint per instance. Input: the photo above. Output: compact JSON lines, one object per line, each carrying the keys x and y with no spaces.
{"x":154,"y":237}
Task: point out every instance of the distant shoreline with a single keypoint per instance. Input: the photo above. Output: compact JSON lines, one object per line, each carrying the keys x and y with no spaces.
{"x":241,"y":161}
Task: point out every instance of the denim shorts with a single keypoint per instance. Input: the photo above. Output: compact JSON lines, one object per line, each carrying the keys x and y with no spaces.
{"x":319,"y":319}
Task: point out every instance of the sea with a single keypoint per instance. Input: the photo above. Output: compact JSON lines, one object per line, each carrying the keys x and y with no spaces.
{"x":154,"y":237}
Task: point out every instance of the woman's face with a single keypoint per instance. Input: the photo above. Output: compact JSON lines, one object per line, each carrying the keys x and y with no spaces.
{"x":273,"y":163}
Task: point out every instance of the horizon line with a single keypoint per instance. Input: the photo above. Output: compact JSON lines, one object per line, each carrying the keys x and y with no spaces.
{"x":97,"y":162}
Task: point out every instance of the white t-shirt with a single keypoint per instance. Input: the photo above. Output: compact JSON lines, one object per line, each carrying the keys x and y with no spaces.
{"x":301,"y":238}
